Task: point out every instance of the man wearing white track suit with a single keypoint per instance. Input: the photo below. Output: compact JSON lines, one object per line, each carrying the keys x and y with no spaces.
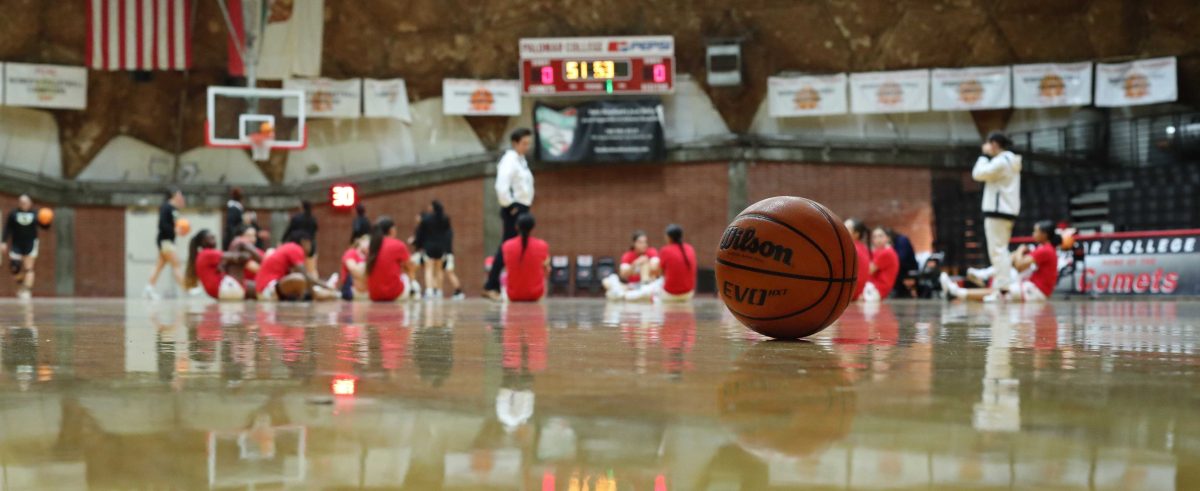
{"x":999,"y":169}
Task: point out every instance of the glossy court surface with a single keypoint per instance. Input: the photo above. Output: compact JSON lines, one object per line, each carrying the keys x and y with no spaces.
{"x":580,"y":395}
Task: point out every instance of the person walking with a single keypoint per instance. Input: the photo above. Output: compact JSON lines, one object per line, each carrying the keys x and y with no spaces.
{"x":514,"y":191}
{"x":234,"y":212}
{"x":999,"y":169}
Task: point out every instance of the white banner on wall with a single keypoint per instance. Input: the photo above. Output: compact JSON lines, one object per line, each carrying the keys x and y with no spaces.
{"x":889,"y":92}
{"x":969,"y":89}
{"x":47,"y":86}
{"x":481,"y":97}
{"x":816,"y":95}
{"x":1136,"y":83}
{"x":1052,"y":85}
{"x":328,"y":98}
{"x":386,"y":99}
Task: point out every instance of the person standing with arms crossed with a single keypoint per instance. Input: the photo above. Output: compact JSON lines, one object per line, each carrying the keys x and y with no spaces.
{"x":999,"y":169}
{"x":514,"y":191}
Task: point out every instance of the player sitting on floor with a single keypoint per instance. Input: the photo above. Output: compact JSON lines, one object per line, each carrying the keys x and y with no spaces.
{"x":675,"y":267}
{"x":209,"y":267}
{"x":283,"y":275}
{"x":387,"y":257}
{"x":635,"y":263}
{"x":884,"y":268}
{"x":354,"y":269}
{"x":1042,"y":262}
{"x":527,"y":260}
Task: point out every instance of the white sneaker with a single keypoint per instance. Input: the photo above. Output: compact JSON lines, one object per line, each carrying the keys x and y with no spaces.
{"x":333,"y":281}
{"x":24,"y":295}
{"x":458,"y":297}
{"x":994,"y":297}
{"x":150,"y":294}
{"x":430,"y":293}
{"x":952,"y":290}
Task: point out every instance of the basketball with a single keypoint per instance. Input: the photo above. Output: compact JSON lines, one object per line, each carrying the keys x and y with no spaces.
{"x":1068,"y":242}
{"x":183,"y":226}
{"x":45,"y":216}
{"x":786,"y":267}
{"x":292,"y":287}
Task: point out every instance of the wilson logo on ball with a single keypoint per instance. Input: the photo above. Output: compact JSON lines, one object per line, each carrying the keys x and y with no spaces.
{"x":749,"y":296}
{"x":740,"y":240}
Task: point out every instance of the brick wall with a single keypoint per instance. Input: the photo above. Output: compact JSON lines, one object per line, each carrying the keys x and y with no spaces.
{"x":896,"y":197}
{"x":593,"y":210}
{"x":44,"y":281}
{"x":463,"y":201}
{"x":100,"y":252}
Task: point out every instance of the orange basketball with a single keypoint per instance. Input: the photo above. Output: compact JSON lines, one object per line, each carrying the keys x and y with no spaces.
{"x":183,"y":226}
{"x":786,"y":267}
{"x":292,"y":287}
{"x":45,"y":216}
{"x":1068,"y":242}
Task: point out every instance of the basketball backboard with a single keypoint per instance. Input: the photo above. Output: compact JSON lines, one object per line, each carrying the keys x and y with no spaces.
{"x":238,"y":117}
{"x":261,"y":454}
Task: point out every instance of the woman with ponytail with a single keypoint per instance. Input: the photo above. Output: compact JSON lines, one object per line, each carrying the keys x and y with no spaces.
{"x":1038,"y":267}
{"x":860,"y":233}
{"x":386,"y":258}
{"x":207,"y":266}
{"x":527,"y":260}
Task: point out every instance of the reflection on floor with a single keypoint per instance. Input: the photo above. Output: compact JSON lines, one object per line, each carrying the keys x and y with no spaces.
{"x":580,"y":395}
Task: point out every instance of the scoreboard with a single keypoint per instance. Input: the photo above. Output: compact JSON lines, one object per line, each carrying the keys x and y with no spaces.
{"x":598,"y":65}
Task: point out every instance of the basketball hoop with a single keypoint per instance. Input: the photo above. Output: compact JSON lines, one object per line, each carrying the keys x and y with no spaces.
{"x":260,"y":146}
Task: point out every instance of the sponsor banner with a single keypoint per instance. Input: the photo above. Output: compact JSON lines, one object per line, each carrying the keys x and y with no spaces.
{"x":807,"y":95}
{"x":1137,"y":82}
{"x":46,"y":86}
{"x":386,"y":99}
{"x":327,"y":98}
{"x":968,"y":89}
{"x":1052,"y":85}
{"x":481,"y":97}
{"x":889,"y":92}
{"x":600,"y":131}
{"x":1136,"y":264}
{"x":532,"y":48}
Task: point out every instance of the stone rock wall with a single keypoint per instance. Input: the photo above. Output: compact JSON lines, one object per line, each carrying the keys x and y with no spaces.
{"x":427,"y":40}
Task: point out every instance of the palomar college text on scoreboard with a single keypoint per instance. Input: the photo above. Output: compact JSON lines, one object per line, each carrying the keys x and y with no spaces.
{"x":598,"y":65}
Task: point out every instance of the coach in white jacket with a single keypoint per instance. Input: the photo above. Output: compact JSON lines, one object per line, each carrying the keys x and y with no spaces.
{"x":1000,"y":172}
{"x":514,"y":191}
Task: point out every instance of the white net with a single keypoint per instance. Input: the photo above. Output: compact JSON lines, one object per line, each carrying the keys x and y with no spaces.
{"x":260,"y":147}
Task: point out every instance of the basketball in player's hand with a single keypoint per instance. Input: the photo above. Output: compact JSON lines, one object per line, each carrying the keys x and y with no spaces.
{"x":183,"y":226}
{"x":45,"y":216}
{"x":786,"y":267}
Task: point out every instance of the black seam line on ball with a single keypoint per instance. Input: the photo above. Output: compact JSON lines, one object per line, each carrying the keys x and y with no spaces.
{"x":788,"y":275}
{"x":842,"y":251}
{"x":828,"y":263}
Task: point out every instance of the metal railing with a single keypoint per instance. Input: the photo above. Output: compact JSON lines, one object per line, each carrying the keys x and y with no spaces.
{"x":1143,"y":141}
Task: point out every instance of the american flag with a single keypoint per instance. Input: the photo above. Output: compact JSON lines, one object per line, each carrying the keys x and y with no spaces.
{"x":139,"y":34}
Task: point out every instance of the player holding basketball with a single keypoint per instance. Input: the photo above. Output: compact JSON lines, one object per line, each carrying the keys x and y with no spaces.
{"x":514,"y":190}
{"x":528,"y":260}
{"x":386,"y":259}
{"x":21,"y":230}
{"x":1043,"y":261}
{"x":244,"y":243}
{"x":999,"y":169}
{"x":354,"y":268}
{"x":209,"y":267}
{"x":305,"y":222}
{"x":283,"y":275}
{"x":168,"y":212}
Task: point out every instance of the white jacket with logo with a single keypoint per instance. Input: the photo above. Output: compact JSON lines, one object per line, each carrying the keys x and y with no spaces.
{"x":1001,"y":178}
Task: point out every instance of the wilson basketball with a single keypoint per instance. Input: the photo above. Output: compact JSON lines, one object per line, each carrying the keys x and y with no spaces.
{"x":786,"y":267}
{"x":45,"y":216}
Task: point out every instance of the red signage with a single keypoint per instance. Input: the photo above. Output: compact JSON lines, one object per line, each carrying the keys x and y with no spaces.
{"x":343,"y":197}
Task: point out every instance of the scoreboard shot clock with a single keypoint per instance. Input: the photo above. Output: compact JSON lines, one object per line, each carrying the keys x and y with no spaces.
{"x":635,"y":65}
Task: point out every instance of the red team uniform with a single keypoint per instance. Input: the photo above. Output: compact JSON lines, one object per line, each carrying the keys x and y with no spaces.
{"x":679,"y":276}
{"x":526,"y":272}
{"x":384,"y":283}
{"x":279,"y":264}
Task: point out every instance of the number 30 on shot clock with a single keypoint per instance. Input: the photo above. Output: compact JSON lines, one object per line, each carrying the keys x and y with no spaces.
{"x":343,"y":196}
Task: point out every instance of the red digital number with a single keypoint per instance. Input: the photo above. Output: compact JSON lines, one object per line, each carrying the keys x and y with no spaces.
{"x":660,"y":73}
{"x":547,"y":75}
{"x":343,"y":196}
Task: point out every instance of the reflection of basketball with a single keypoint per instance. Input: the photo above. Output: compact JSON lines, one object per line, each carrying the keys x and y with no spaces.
{"x":183,"y":226}
{"x":786,"y":399}
{"x":786,"y":267}
{"x":292,"y":287}
{"x":45,"y":216}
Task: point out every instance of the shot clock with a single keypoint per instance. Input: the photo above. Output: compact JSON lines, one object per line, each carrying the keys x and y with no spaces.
{"x":598,"y":65}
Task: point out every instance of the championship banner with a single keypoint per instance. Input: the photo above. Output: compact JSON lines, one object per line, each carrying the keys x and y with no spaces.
{"x":481,"y":97}
{"x":600,"y":131}
{"x":386,"y":99}
{"x":1052,"y":85}
{"x":1136,"y":83}
{"x":46,"y":86}
{"x":889,"y":92}
{"x":970,"y":89}
{"x":327,"y":98}
{"x":806,"y":95}
{"x":1133,"y":263}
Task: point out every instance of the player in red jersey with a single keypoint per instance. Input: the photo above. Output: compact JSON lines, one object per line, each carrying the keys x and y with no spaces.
{"x":283,"y":275}
{"x":884,"y":268}
{"x":387,"y":258}
{"x":209,"y":267}
{"x":528,"y":261}
{"x":1041,"y":264}
{"x":858,"y":232}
